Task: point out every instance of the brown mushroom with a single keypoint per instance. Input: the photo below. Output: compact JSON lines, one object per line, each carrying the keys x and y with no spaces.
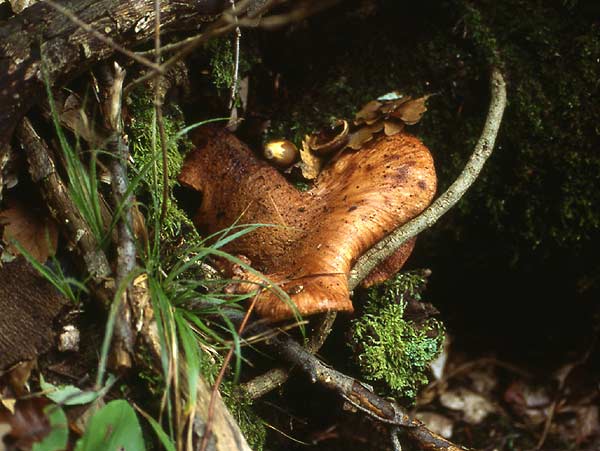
{"x":355,"y":201}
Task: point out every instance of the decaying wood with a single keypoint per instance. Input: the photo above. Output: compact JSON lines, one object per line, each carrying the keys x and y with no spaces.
{"x":41,"y":34}
{"x":361,"y":397}
{"x":56,"y":193}
{"x":61,"y":207}
{"x":28,"y":305}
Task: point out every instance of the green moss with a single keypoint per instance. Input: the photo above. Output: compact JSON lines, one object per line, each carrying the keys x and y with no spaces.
{"x":222,"y":59}
{"x":221,"y":62}
{"x":149,"y":159}
{"x":251,"y":425}
{"x":390,"y":351}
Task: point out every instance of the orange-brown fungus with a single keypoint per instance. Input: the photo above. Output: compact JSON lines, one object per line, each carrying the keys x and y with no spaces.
{"x":355,"y":202}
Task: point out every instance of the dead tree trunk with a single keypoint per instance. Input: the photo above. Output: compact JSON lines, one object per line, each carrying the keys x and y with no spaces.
{"x":40,"y":34}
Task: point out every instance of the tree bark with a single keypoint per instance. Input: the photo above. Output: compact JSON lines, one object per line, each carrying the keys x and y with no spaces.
{"x":40,"y":34}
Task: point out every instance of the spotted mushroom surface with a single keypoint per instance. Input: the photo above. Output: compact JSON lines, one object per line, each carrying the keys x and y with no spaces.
{"x":355,"y":201}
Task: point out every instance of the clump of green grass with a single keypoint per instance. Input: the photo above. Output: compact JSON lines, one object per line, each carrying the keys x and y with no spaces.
{"x":192,"y":313}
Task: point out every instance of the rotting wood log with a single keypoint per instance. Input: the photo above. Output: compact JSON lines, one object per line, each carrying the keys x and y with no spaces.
{"x":42,"y":33}
{"x":29,"y":305}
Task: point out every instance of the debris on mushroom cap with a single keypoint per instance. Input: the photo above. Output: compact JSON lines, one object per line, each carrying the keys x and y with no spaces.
{"x":329,"y":140}
{"x":355,"y":201}
{"x":310,"y":164}
{"x":388,"y":113}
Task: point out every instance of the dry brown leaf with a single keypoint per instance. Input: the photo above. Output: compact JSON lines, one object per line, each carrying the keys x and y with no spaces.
{"x":437,"y":423}
{"x":368,"y":113}
{"x":391,"y":127}
{"x":310,"y":164}
{"x":31,"y":228}
{"x":28,"y":424}
{"x":18,"y":376}
{"x":73,"y":116}
{"x":364,"y":134}
{"x":393,"y":105}
{"x":412,"y":111}
{"x":474,"y":407}
{"x":359,"y":137}
{"x":330,"y":139}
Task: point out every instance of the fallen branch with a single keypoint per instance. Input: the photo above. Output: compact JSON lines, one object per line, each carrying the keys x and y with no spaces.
{"x":359,"y":395}
{"x":66,"y":213}
{"x":483,"y":149}
{"x":41,"y":35}
{"x":111,"y":93}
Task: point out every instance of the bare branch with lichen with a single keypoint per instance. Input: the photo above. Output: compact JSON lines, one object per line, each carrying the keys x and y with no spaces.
{"x":112,"y":97}
{"x":360,"y":396}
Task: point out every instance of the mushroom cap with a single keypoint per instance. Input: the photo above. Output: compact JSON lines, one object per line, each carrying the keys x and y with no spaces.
{"x":356,"y":200}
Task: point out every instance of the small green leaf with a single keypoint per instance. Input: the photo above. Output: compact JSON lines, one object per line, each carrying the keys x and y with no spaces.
{"x":67,"y":395}
{"x":160,"y":432}
{"x":59,"y":434}
{"x":115,"y":427}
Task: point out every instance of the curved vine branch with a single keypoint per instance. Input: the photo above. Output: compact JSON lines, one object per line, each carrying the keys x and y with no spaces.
{"x":483,"y":149}
{"x":367,"y":262}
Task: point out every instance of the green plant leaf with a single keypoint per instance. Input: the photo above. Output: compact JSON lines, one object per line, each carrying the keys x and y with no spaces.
{"x":69,"y":395}
{"x":57,"y":438}
{"x":160,"y":432}
{"x":115,"y":427}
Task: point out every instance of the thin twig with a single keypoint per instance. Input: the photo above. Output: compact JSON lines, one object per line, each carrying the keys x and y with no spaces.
{"x":279,"y":20}
{"x":275,"y":377}
{"x":224,"y":25}
{"x":483,"y":149}
{"x":187,"y":49}
{"x":386,"y":247}
{"x":221,"y":375}
{"x":102,"y":37}
{"x":217,"y":28}
{"x":111,"y":94}
{"x":236,"y":64}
